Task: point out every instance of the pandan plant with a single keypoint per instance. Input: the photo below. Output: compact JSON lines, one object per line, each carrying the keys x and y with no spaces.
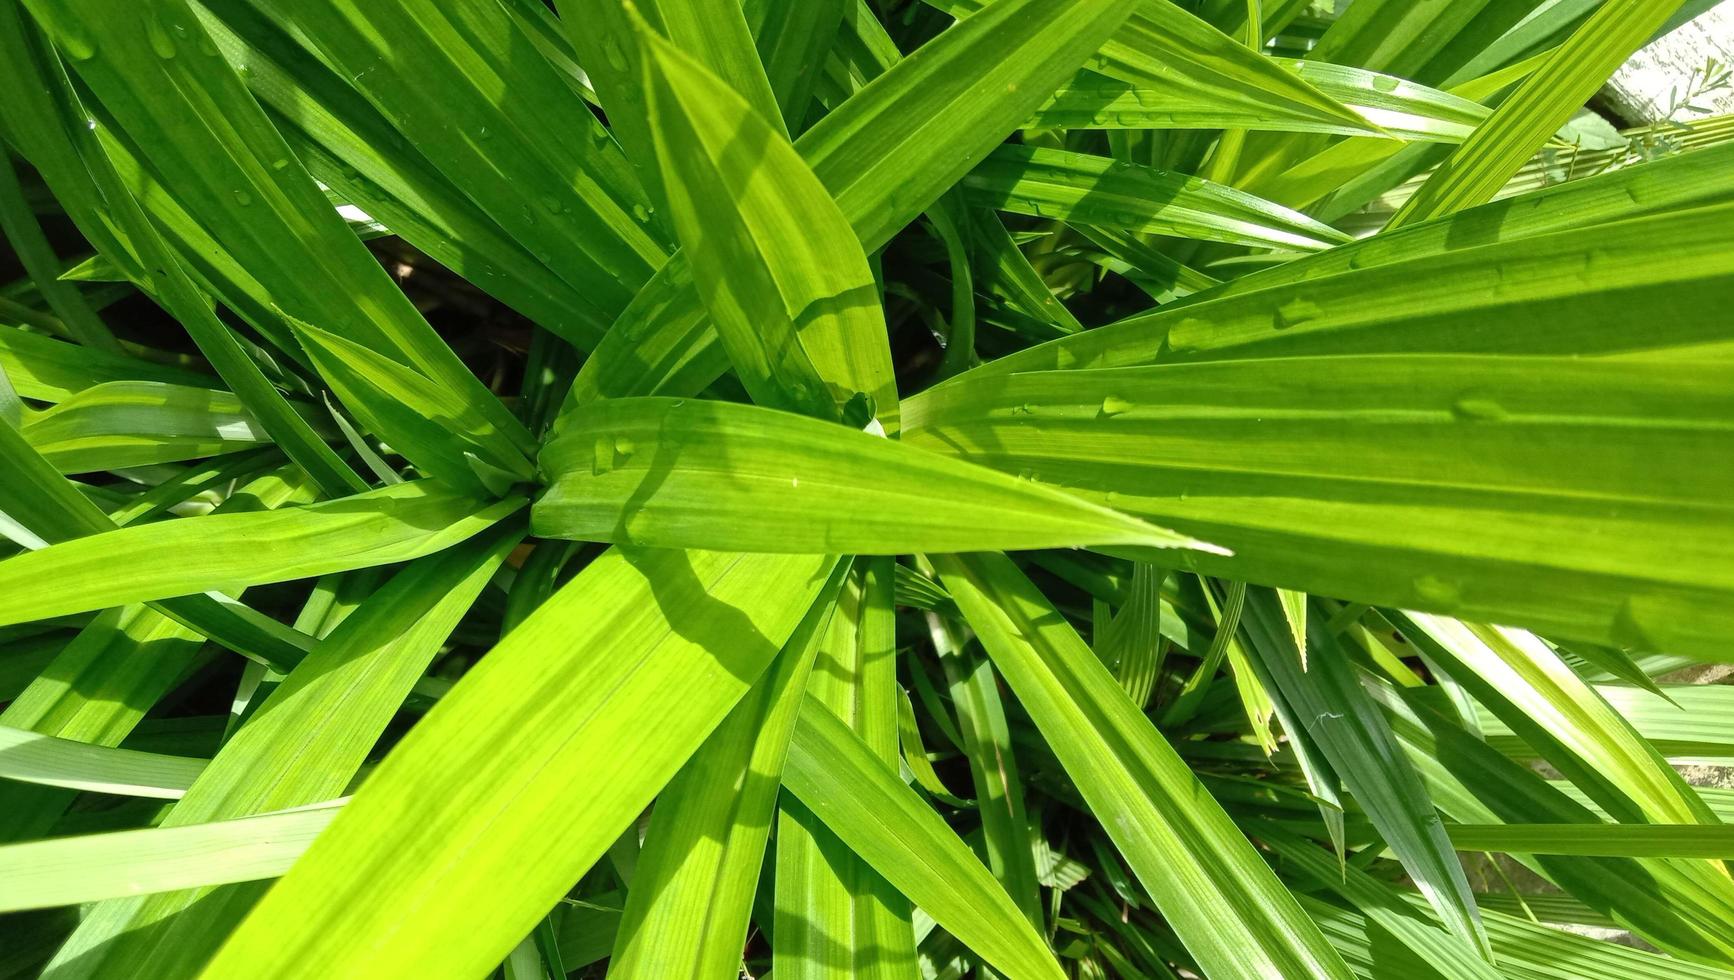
{"x":859,"y":488}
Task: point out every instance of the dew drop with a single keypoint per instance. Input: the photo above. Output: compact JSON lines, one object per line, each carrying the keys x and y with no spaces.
{"x":624,"y":446}
{"x":1628,"y":629}
{"x":1385,"y":83}
{"x":553,"y":205}
{"x":69,"y":34}
{"x":641,"y":212}
{"x":615,"y":54}
{"x":280,"y":163}
{"x":159,"y":38}
{"x":1478,"y":408}
{"x":1296,"y":311}
{"x":601,"y":456}
{"x":1115,"y":405}
{"x":1438,"y":592}
{"x":242,"y":197}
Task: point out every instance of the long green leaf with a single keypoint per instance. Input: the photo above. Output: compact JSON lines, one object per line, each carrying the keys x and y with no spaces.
{"x":230,"y":551}
{"x":1323,"y":474}
{"x":1099,"y":191}
{"x":240,"y":179}
{"x":778,"y":266}
{"x":136,"y":423}
{"x":72,"y":870}
{"x":1540,"y":106}
{"x":1348,"y":727}
{"x":885,"y":156}
{"x":1568,"y":292}
{"x":667,"y":472}
{"x":47,"y":760}
{"x":303,"y":746}
{"x":494,"y":804}
{"x":716,"y":36}
{"x":1400,"y":107}
{"x":842,"y":781}
{"x":37,"y":256}
{"x":993,"y":765}
{"x":1647,"y":840}
{"x":1680,"y":905}
{"x":1165,"y":47}
{"x":1380,"y":903}
{"x":352,"y":148}
{"x":1229,"y":910}
{"x":468,"y":90}
{"x":49,"y":507}
{"x":77,"y":163}
{"x":793,"y":37}
{"x":687,"y":911}
{"x":1349,"y":172}
{"x":1523,"y":948}
{"x":1523,"y":682}
{"x":45,"y":369}
{"x":836,"y":915}
{"x":95,"y":691}
{"x":445,"y":437}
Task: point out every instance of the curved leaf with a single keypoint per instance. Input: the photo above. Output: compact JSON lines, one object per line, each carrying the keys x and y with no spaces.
{"x":136,"y":423}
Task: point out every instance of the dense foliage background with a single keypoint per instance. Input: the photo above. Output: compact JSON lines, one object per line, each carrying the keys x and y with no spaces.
{"x":830,"y":488}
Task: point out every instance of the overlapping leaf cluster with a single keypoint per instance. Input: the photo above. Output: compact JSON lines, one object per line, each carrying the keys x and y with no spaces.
{"x":856,"y":489}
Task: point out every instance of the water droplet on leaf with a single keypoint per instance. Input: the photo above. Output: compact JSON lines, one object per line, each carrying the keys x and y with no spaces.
{"x":72,"y":39}
{"x":1296,"y":311}
{"x":159,"y":38}
{"x":1478,"y":408}
{"x":1437,"y":592}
